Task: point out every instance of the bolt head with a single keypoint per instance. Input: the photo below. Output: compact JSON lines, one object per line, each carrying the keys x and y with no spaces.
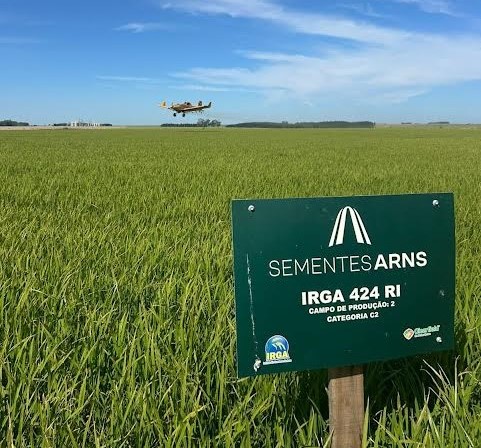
{"x":436,"y":203}
{"x":251,"y":208}
{"x":438,"y":339}
{"x":442,"y":293}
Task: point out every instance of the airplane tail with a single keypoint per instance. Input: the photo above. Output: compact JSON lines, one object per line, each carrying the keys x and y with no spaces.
{"x":210,"y":104}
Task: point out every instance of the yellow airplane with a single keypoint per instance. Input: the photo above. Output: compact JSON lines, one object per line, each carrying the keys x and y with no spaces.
{"x":185,"y":108}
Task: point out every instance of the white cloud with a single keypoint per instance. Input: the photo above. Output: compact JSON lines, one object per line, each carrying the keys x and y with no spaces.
{"x":364,"y":9}
{"x":307,"y":23}
{"x":142,"y":27}
{"x":399,"y":66}
{"x":432,"y":6}
{"x":392,"y":73}
{"x":206,"y":88}
{"x":394,"y":96}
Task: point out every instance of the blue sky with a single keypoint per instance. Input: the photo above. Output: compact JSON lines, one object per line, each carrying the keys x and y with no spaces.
{"x":114,"y":61}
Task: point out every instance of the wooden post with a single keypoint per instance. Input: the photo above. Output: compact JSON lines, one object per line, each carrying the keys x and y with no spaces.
{"x":346,"y":406}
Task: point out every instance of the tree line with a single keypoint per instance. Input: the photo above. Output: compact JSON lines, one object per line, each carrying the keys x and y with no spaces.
{"x":201,"y":123}
{"x":13,"y":123}
{"x":305,"y":124}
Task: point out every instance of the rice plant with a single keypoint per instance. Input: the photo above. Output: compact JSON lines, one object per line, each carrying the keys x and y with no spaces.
{"x":116,"y":287}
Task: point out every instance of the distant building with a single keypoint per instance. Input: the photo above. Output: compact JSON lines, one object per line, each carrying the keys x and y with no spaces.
{"x":84,"y":124}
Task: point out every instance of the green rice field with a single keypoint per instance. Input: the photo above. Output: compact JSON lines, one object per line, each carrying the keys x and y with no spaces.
{"x":117,"y":325}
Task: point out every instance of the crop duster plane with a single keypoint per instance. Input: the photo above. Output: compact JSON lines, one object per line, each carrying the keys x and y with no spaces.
{"x":184,"y":108}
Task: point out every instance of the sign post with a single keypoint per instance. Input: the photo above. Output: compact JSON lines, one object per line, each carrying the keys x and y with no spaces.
{"x":346,"y":406}
{"x":342,"y":281}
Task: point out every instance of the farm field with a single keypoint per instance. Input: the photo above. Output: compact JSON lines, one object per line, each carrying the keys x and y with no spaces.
{"x":117,"y":320}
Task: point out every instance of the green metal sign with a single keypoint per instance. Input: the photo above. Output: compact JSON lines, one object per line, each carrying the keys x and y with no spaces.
{"x":329,"y":282}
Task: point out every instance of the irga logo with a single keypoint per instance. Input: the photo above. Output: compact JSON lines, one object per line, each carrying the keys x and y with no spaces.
{"x":277,"y":350}
{"x":337,"y":236}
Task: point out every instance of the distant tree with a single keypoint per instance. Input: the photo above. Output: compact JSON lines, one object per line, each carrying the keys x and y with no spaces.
{"x":179,"y":125}
{"x":13,"y":123}
{"x":203,"y":123}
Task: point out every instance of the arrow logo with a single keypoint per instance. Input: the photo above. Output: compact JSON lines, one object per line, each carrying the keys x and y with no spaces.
{"x":337,"y":236}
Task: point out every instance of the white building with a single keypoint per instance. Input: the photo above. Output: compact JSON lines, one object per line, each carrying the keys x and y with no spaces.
{"x":84,"y":124}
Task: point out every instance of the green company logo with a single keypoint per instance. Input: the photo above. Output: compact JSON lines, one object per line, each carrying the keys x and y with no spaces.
{"x":408,"y":333}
